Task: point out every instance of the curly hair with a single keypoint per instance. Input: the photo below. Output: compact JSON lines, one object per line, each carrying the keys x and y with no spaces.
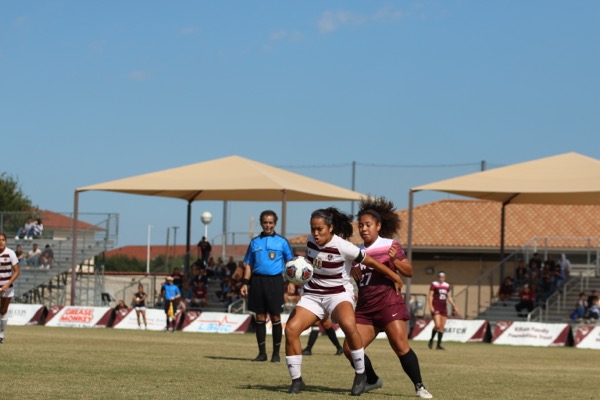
{"x":384,"y":212}
{"x":342,"y":222}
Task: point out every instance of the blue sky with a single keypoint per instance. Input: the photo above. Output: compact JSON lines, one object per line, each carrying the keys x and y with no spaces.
{"x":412,"y":91}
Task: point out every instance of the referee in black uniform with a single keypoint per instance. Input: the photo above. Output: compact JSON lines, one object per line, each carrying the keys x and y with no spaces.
{"x":263,"y":282}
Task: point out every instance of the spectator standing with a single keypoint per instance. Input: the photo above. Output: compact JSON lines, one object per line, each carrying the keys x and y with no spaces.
{"x":231,"y":265}
{"x":47,"y":257}
{"x":204,"y":249}
{"x":262,"y":282}
{"x":33,"y":256}
{"x":439,"y":295}
{"x":565,"y":266}
{"x":139,"y":303}
{"x":9,"y":272}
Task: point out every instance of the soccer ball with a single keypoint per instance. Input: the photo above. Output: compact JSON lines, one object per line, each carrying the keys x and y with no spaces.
{"x":298,"y":271}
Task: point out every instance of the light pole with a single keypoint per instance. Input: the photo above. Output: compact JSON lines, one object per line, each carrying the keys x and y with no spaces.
{"x":206,"y":218}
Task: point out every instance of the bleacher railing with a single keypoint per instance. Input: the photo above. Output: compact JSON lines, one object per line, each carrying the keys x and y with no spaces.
{"x":483,"y":292}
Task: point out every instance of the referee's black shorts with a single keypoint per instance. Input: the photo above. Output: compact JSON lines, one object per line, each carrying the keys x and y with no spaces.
{"x":265,"y":295}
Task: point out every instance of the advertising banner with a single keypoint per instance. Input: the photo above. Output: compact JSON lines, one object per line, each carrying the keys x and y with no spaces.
{"x":78,"y":317}
{"x":217,"y":322}
{"x":457,"y":330}
{"x":157,"y":320}
{"x":25,"y":314}
{"x":587,"y":337}
{"x":538,"y":334}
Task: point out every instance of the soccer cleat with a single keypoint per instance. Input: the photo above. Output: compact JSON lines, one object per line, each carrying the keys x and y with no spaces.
{"x":1,"y":340}
{"x":261,"y":357}
{"x":306,"y":352}
{"x":359,"y":384}
{"x":373,"y":386}
{"x":422,"y":393}
{"x":297,"y":386}
{"x":339,"y":351}
{"x":439,"y":347}
{"x":430,"y":344}
{"x":275,"y":358}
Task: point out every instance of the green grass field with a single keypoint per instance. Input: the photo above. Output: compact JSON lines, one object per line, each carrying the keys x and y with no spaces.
{"x":68,"y":363}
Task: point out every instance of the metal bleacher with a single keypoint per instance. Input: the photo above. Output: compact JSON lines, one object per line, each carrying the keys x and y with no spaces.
{"x":49,"y":286}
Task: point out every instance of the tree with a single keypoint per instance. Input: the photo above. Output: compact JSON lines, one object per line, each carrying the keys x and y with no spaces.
{"x":15,"y":206}
{"x":11,"y":195}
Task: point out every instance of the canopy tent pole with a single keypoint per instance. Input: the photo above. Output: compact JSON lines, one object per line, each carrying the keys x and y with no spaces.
{"x":188,"y":236}
{"x":411,"y":195}
{"x":74,"y":246}
{"x":283,"y":212}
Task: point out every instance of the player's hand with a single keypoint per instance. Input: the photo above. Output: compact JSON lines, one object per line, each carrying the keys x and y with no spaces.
{"x":392,"y":252}
{"x":398,"y":286}
{"x":356,"y":273}
{"x":244,"y":291}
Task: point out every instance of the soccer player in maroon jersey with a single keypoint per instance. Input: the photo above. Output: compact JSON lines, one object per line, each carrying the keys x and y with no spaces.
{"x":439,"y":293}
{"x":381,"y":306}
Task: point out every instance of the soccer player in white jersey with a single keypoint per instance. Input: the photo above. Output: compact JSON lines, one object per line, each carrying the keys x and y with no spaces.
{"x":9,"y":271}
{"x":330,"y":292}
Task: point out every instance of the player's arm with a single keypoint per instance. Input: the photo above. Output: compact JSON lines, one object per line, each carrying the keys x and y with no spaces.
{"x":451,"y":300}
{"x":376,"y":265}
{"x":402,"y":265}
{"x":430,"y":298}
{"x":245,"y":280}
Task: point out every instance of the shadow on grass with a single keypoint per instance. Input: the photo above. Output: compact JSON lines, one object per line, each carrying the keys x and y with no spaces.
{"x":284,"y":389}
{"x":227,"y":358}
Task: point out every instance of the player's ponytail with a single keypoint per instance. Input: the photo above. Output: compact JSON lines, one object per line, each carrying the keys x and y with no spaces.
{"x":341,"y":222}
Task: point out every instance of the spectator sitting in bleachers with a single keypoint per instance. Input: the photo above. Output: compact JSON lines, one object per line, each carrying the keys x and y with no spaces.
{"x":47,"y":257}
{"x":33,"y":256}
{"x":526,"y":300}
{"x":506,"y":290}
{"x":26,"y":231}
{"x":38,"y":229}
{"x":593,"y":313}
{"x":200,"y":295}
{"x":581,"y":307}
{"x":20,"y":255}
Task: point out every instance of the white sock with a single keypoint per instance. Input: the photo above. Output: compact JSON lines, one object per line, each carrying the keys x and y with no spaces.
{"x":294,"y":364}
{"x":3,"y":323}
{"x":358,"y":358}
